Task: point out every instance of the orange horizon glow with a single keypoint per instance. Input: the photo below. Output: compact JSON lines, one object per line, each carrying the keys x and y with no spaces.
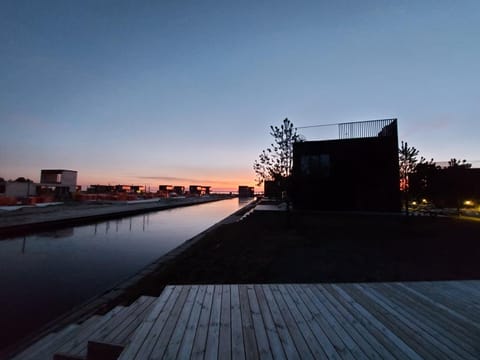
{"x":226,"y":185}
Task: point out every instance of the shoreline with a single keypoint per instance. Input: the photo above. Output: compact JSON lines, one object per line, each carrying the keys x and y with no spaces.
{"x":28,"y":220}
{"x":117,"y":294}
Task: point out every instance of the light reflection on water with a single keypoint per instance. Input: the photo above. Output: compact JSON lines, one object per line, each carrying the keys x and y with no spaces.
{"x":46,"y":274}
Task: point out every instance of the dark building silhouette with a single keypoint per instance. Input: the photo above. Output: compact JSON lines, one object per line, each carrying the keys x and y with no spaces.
{"x":358,"y":171}
{"x":171,"y":189}
{"x":446,"y":187}
{"x":246,"y":191}
{"x":272,"y":189}
{"x":105,"y":189}
{"x":199,"y":190}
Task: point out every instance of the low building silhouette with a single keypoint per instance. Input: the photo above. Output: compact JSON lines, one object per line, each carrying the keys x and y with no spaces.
{"x":18,"y":188}
{"x":358,"y":171}
{"x":246,"y":191}
{"x":199,"y":190}
{"x":169,"y":190}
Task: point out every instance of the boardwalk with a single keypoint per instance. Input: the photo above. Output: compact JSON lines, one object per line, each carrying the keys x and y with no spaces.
{"x":422,"y":320}
{"x":437,"y":320}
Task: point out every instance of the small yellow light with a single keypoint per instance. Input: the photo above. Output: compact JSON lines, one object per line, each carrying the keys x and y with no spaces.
{"x":424,"y":201}
{"x":468,"y":203}
{"x":414,"y":203}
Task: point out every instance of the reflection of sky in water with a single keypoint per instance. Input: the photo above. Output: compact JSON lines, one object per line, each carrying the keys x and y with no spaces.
{"x":44,"y":275}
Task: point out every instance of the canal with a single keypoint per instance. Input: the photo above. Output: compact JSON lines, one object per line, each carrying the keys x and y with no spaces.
{"x":47,"y":274}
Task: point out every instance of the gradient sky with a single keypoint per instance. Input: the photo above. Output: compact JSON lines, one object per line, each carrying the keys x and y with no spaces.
{"x":184,"y":92}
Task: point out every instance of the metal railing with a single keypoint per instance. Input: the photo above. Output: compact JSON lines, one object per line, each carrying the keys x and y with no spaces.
{"x":363,"y":129}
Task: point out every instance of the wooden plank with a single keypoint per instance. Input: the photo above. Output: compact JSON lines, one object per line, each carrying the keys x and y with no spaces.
{"x":248,"y":330}
{"x":225,"y":339}
{"x":318,"y":332}
{"x":456,"y":300}
{"x":258,"y":325}
{"x":417,"y":343}
{"x":199,"y":344}
{"x":125,"y":333}
{"x":238,"y":348}
{"x":473,"y":285}
{"x":286,"y":338}
{"x":297,"y":317}
{"x":276,"y":347}
{"x":370,"y":333}
{"x":148,"y":332}
{"x":439,"y":340}
{"x":369,"y":345}
{"x":85,"y":331}
{"x":170,"y":324}
{"x":471,"y":291}
{"x":329,"y":331}
{"x":321,"y":305}
{"x":428,"y":314}
{"x":189,"y":335}
{"x":443,"y":315}
{"x":33,"y":350}
{"x":169,"y":345}
{"x":394,"y":344}
{"x":118,"y":322}
{"x":463,"y":301}
{"x":291,"y":326}
{"x":211,"y":350}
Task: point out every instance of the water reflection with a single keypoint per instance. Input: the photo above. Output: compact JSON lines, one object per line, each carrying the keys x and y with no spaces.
{"x":45,"y":274}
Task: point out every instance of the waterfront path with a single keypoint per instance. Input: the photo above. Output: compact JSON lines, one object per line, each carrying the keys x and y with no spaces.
{"x":411,"y":320}
{"x":29,"y":217}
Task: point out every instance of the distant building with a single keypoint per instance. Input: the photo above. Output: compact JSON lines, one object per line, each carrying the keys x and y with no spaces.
{"x":18,"y":189}
{"x":246,"y":191}
{"x":359,"y":171}
{"x":100,"y":189}
{"x":199,"y":190}
{"x":58,"y":178}
{"x":59,"y":182}
{"x":169,"y":190}
{"x":179,"y":190}
{"x":165,"y":188}
{"x":106,"y":189}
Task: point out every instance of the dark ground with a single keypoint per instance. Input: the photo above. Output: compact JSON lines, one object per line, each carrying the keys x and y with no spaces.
{"x":319,"y":247}
{"x":269,"y":247}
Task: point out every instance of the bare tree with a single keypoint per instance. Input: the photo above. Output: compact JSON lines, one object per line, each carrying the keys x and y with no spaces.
{"x":275,"y":163}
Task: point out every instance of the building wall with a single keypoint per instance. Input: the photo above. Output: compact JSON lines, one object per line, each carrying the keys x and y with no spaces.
{"x":60,"y":178}
{"x":20,"y":189}
{"x":349,"y":174}
{"x":246,"y":191}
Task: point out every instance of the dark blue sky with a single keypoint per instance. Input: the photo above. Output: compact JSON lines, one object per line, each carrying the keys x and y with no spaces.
{"x":181,"y":92}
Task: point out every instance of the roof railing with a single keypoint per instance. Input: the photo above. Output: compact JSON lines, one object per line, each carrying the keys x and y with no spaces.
{"x":362,"y":129}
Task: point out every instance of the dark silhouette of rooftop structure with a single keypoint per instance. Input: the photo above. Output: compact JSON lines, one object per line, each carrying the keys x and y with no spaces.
{"x":357,"y":171}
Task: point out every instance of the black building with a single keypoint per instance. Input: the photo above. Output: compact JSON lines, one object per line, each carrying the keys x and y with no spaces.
{"x":246,"y":191}
{"x":358,"y":171}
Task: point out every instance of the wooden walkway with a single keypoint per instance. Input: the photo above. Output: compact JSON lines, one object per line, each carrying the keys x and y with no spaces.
{"x":423,"y":320}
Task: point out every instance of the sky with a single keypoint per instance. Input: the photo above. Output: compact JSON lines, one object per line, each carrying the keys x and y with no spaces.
{"x":184,"y":92}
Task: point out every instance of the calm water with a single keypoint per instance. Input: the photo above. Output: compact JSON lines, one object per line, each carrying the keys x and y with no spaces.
{"x":46,"y":274}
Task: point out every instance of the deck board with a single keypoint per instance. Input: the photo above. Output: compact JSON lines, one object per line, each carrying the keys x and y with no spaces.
{"x":426,"y":320}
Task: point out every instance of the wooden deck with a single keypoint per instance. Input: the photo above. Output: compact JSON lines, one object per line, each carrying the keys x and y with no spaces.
{"x":423,"y":320}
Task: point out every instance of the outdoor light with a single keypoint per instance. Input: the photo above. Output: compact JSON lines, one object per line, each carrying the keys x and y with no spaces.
{"x":414,"y":203}
{"x":424,"y":201}
{"x":468,"y":203}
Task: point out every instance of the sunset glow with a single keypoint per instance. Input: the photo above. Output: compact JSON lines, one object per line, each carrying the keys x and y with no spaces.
{"x":182,"y":93}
